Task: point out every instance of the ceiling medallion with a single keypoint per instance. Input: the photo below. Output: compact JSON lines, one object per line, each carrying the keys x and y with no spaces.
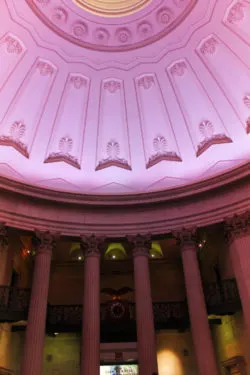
{"x":112,"y":8}
{"x":96,"y":33}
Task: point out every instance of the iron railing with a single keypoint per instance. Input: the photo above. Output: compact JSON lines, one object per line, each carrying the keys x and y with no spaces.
{"x":223,"y":297}
{"x":220,"y":298}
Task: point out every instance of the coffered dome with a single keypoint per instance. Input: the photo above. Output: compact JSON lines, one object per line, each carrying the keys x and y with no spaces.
{"x":149,"y":101}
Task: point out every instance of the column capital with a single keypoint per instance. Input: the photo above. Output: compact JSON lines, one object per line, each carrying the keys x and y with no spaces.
{"x":4,"y":240}
{"x":91,"y":245}
{"x":141,"y":244}
{"x":237,"y":226}
{"x":186,"y":238}
{"x":45,"y":242}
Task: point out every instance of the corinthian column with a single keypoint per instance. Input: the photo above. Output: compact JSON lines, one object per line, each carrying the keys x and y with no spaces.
{"x":238,"y":236}
{"x":146,"y":340}
{"x":34,"y":339}
{"x":90,"y":353}
{"x":201,"y":334}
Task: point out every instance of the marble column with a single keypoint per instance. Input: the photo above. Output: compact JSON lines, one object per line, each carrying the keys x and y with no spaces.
{"x":238,"y":236}
{"x":32,"y":359}
{"x":5,"y":257}
{"x":90,"y":351}
{"x":201,"y":334}
{"x":146,"y":338}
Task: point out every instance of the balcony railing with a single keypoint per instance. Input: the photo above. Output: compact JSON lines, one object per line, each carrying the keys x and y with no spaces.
{"x":220,"y":299}
{"x":14,"y":303}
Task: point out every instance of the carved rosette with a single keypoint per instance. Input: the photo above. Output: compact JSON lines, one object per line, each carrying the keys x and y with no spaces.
{"x":4,"y":240}
{"x":80,"y":27}
{"x":45,"y":242}
{"x":237,"y":226}
{"x":141,"y":244}
{"x":186,"y":238}
{"x":91,"y":245}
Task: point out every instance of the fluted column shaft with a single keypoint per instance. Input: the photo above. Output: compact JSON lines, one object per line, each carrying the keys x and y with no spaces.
{"x":90,"y":353}
{"x":201,"y":334}
{"x":34,"y":339}
{"x":238,"y":235}
{"x":146,"y":340}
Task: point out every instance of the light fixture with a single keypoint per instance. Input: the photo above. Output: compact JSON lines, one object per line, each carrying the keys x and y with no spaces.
{"x":79,"y":258}
{"x":56,"y":333}
{"x":113,"y":256}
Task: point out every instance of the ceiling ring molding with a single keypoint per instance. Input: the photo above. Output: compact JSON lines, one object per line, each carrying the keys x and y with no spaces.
{"x":20,"y":211}
{"x":203,"y":186}
{"x":96,"y":33}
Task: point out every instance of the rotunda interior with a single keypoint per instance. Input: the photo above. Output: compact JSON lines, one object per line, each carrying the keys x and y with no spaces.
{"x":124,"y":187}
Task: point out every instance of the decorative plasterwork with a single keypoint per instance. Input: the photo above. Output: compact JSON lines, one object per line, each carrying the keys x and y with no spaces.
{"x":237,"y":226}
{"x":66,"y":141}
{"x":204,"y":132}
{"x":99,"y":123}
{"x":159,"y":139}
{"x":20,"y":121}
{"x":212,"y":52}
{"x":113,"y":141}
{"x":141,"y":244}
{"x":12,"y":51}
{"x":95,"y":33}
{"x":186,"y":238}
{"x":91,"y":245}
{"x":113,"y":8}
{"x":45,"y":242}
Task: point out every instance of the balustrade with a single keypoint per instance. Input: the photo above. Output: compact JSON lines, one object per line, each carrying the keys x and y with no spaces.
{"x":14,"y":304}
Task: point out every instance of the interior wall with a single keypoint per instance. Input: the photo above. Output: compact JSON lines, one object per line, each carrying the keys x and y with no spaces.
{"x":5,"y":345}
{"x":175,"y":353}
{"x":230,"y":340}
{"x":66,"y":283}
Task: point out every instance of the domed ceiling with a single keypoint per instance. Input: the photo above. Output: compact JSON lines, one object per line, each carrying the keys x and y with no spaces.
{"x":117,"y":97}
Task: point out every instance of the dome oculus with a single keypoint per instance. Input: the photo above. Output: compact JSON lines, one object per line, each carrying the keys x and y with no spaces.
{"x":112,"y":8}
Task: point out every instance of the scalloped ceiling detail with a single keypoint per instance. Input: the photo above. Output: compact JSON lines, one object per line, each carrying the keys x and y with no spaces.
{"x":118,"y":34}
{"x":74,"y":117}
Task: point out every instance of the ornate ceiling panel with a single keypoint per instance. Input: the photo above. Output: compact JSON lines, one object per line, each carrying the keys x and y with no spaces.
{"x":112,"y":105}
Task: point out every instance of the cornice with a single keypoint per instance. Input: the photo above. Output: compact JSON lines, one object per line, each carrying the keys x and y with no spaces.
{"x":208,"y":203}
{"x":168,"y":195}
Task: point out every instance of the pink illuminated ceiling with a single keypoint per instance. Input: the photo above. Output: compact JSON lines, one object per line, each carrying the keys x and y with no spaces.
{"x":112,"y":105}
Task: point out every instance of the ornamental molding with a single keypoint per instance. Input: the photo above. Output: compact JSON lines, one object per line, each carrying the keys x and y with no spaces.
{"x":160,"y":156}
{"x":141,"y":244}
{"x":186,"y":238}
{"x":237,"y":12}
{"x":93,"y":32}
{"x":45,"y":242}
{"x":209,"y":46}
{"x":55,"y":157}
{"x":237,"y":226}
{"x":13,"y":46}
{"x":92,"y":245}
{"x":158,"y":213}
{"x":215,"y":139}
